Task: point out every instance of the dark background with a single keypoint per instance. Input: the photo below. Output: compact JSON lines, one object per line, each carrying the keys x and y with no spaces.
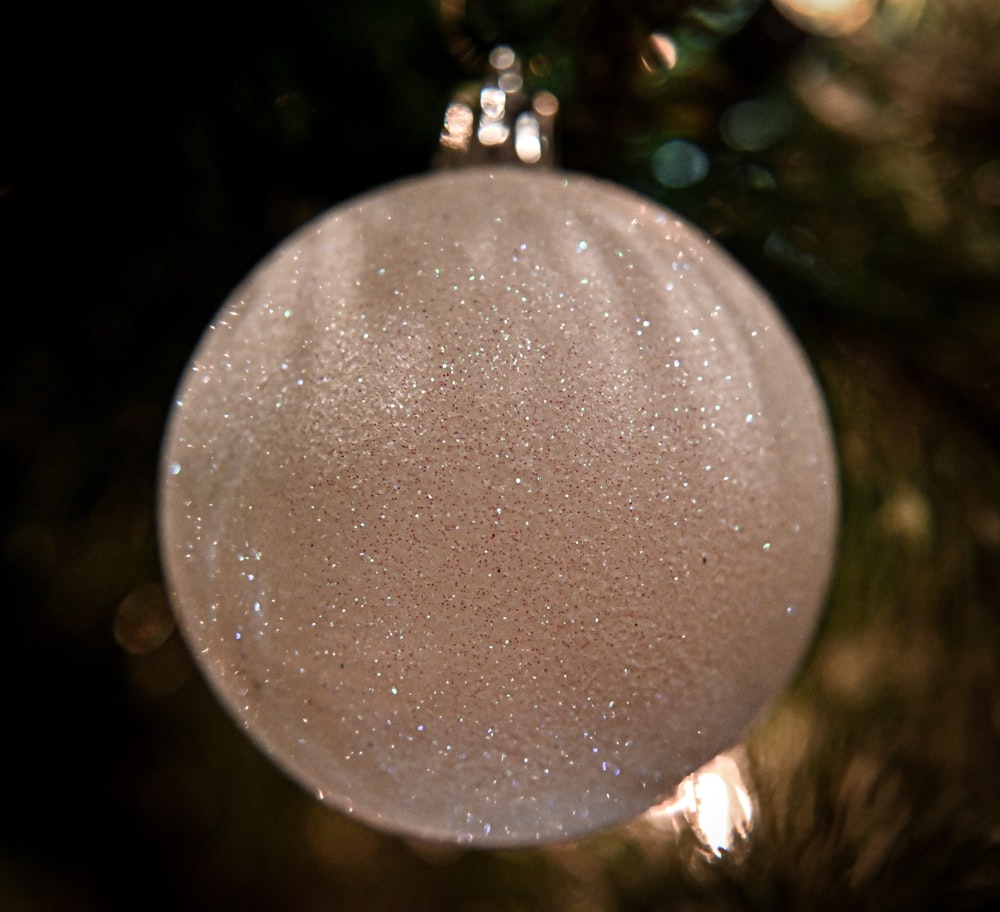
{"x":150,"y":158}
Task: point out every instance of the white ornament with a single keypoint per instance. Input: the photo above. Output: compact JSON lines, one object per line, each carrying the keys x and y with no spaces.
{"x":496,"y":502}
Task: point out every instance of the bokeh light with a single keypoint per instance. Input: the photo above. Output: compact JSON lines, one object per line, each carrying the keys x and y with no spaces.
{"x":827,"y":17}
{"x":679,"y":163}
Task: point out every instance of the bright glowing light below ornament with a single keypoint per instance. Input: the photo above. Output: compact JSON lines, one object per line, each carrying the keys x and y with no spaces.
{"x":495,"y":503}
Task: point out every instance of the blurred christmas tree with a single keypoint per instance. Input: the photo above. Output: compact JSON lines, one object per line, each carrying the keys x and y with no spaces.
{"x":844,"y":150}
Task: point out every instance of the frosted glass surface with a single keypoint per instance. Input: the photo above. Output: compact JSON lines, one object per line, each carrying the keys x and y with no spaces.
{"x":495,"y":503}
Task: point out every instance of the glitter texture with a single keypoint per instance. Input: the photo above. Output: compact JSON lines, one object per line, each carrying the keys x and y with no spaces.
{"x":495,"y":502}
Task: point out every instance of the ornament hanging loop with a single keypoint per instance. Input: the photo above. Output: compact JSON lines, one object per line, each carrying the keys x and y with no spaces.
{"x":497,"y":121}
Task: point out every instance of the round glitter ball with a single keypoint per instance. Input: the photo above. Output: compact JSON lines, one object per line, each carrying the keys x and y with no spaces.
{"x":496,"y":502}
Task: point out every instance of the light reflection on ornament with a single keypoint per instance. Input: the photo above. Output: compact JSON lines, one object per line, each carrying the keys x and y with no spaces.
{"x":484,"y":500}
